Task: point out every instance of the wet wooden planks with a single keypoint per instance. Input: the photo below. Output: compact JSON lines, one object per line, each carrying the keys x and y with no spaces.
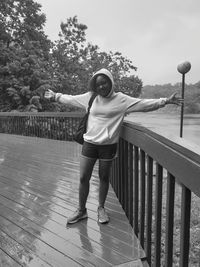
{"x":38,"y":190}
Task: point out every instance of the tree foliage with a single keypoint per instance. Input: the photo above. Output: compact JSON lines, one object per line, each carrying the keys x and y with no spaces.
{"x":76,"y":60}
{"x":24,"y":55}
{"x":22,"y":19}
{"x":30,"y":63}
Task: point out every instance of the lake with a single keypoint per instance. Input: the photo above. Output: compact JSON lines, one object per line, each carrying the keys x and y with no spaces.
{"x":170,"y":123}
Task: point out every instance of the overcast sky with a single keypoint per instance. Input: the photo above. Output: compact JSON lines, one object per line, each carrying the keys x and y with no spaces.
{"x":156,"y":35}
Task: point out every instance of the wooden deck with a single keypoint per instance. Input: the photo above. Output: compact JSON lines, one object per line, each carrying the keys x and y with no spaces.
{"x":38,"y":190}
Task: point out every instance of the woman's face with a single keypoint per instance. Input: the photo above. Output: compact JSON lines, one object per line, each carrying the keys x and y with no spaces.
{"x":103,"y":85}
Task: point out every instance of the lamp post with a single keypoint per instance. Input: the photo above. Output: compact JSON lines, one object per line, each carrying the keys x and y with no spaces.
{"x":183,"y":68}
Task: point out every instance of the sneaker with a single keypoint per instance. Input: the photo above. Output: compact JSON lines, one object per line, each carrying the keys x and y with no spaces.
{"x":102,"y":215}
{"x":77,"y":216}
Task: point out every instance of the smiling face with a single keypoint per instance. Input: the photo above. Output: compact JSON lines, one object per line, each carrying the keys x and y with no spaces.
{"x":103,"y":85}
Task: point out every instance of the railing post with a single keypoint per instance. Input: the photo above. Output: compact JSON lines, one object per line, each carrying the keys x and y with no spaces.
{"x":135,"y":189}
{"x":169,"y":220}
{"x":185,"y":226}
{"x":130,"y":178}
{"x":125,"y":176}
{"x":142,"y":196}
{"x":158,"y":214}
{"x":120,"y":170}
{"x":149,"y":207}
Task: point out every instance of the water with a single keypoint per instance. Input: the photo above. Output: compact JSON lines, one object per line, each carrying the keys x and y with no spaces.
{"x":170,"y":124}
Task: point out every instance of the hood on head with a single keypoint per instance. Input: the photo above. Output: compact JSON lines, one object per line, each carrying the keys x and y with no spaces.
{"x":106,"y":73}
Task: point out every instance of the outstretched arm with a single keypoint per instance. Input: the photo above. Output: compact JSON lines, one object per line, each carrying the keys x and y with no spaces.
{"x":146,"y":105}
{"x":80,"y":101}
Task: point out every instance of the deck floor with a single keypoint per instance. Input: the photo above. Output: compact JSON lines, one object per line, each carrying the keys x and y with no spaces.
{"x":38,"y":190}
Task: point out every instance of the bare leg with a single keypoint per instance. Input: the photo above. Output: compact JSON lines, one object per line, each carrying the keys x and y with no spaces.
{"x":86,"y":168}
{"x":104,"y":173}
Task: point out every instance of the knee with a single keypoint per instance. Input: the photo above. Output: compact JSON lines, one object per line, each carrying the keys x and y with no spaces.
{"x":104,"y":178}
{"x":84,"y":179}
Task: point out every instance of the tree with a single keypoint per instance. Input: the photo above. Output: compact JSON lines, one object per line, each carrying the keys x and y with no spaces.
{"x":76,"y":61}
{"x":25,"y":66}
{"x":21,"y":20}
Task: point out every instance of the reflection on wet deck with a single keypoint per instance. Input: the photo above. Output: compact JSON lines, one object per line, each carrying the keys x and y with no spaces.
{"x":38,"y":190}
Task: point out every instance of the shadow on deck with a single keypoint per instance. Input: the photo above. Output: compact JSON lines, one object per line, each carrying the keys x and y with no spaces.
{"x":38,"y":190}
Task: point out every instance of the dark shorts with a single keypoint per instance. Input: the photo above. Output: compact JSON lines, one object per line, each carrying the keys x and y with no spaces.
{"x":103,"y":152}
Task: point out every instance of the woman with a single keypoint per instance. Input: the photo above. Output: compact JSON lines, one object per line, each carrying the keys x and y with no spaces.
{"x":100,"y":141}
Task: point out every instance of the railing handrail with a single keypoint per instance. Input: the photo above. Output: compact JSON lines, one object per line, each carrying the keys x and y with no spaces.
{"x":171,"y":148}
{"x":42,"y":114}
{"x":180,"y":144}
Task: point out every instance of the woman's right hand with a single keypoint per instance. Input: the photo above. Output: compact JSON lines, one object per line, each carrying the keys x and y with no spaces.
{"x":49,"y":94}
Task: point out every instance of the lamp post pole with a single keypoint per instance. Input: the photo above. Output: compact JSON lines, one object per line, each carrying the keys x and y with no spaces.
{"x":182,"y":105}
{"x":183,"y":68}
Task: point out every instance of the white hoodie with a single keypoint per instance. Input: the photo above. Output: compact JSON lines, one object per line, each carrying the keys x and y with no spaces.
{"x":107,"y":113}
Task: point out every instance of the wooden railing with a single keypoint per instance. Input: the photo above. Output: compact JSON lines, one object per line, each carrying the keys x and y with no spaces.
{"x":154,"y":177}
{"x":59,"y":126}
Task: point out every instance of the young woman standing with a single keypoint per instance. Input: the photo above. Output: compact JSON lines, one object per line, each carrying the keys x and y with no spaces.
{"x":100,"y":140}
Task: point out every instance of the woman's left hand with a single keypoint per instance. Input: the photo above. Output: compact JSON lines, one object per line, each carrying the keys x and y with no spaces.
{"x":174,"y":99}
